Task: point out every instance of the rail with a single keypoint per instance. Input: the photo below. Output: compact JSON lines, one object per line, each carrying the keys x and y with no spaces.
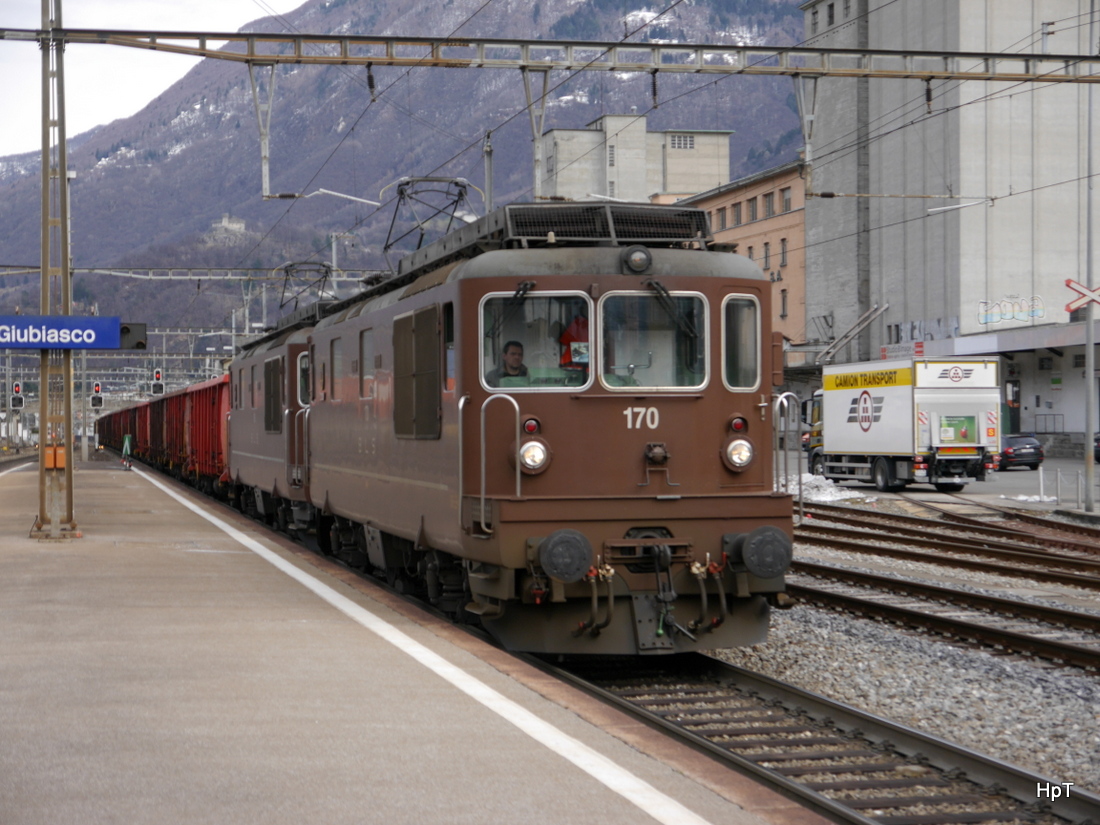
{"x":461,"y":456}
{"x":800,"y":742}
{"x":1075,"y":480}
{"x":305,"y":448}
{"x":1050,"y":423}
{"x":787,"y":430}
{"x":287,"y":462}
{"x":485,"y":528}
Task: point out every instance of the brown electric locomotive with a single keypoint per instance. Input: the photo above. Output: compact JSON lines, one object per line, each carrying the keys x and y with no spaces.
{"x":557,"y":419}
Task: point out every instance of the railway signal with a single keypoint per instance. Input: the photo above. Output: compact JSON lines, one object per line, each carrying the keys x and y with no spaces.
{"x":96,"y":399}
{"x":16,"y":396}
{"x":158,"y":381}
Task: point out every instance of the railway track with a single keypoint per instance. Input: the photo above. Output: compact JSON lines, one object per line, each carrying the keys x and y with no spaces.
{"x":1024,"y":525}
{"x":995,"y":551}
{"x":1041,"y":527}
{"x":840,"y":762}
{"x":1008,"y":625}
{"x":961,"y":522}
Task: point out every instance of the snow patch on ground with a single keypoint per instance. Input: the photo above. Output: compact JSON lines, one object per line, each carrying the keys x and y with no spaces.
{"x":817,"y":488}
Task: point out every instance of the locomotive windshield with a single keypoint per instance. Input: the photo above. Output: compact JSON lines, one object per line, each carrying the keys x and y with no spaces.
{"x":535,"y":340}
{"x":654,"y":340}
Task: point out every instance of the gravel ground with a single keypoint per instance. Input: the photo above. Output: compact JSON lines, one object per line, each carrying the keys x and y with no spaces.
{"x":1044,"y":719}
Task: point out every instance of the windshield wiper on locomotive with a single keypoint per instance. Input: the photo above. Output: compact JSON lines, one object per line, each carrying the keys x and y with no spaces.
{"x":514,"y":303}
{"x":682,"y":321}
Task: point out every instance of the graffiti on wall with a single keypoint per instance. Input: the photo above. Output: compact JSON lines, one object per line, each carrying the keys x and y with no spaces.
{"x":1011,"y":308}
{"x":933,"y":330}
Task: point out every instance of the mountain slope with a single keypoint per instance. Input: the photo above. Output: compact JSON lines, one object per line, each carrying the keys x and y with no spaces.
{"x":148,"y":187}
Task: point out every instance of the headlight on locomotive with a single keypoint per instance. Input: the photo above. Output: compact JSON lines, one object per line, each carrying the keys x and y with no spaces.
{"x":534,"y":456}
{"x":737,"y":454}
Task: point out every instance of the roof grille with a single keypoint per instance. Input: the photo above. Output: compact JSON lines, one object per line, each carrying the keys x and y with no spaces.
{"x":621,"y":224}
{"x":578,"y":224}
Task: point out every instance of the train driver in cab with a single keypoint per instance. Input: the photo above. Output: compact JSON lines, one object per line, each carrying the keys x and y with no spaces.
{"x":511,"y":371}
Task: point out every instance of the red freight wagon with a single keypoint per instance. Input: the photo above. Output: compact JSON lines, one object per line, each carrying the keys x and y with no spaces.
{"x":208,"y":432}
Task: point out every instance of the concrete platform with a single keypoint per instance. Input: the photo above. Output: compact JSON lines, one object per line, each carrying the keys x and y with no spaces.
{"x":177,"y":664}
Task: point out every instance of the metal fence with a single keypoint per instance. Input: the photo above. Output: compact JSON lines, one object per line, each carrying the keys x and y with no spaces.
{"x":1050,"y":423}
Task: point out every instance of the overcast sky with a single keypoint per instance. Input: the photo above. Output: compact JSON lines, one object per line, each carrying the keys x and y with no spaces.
{"x":104,"y":83}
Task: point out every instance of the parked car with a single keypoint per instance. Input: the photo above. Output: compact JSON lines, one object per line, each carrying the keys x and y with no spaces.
{"x":1021,"y":450}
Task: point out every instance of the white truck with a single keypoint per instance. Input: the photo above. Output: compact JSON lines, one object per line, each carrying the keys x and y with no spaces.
{"x":915,"y":420}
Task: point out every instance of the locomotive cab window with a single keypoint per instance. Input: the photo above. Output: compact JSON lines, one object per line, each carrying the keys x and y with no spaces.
{"x":741,"y":342}
{"x":653,"y":340}
{"x":535,"y":340}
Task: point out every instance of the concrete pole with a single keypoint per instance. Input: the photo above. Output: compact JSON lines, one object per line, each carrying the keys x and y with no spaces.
{"x":1090,"y":307}
{"x":537,"y":111}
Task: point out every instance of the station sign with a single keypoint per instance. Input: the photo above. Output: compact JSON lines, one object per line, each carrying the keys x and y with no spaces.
{"x":59,"y":332}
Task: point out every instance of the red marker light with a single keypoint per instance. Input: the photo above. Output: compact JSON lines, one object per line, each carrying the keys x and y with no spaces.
{"x":739,"y":425}
{"x":530,"y":426}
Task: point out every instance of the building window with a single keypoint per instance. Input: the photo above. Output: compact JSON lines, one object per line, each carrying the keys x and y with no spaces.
{"x":767,"y":255}
{"x":847,"y":8}
{"x":813,"y":22}
{"x":785,"y":199}
{"x":782,"y":251}
{"x":1079,"y":361}
{"x":611,"y":188}
{"x":752,"y":209}
{"x":751,"y":258}
{"x":610,"y":155}
{"x":782,"y":303}
{"x":722,"y":218}
{"x":830,"y":13}
{"x":737,"y":214}
{"x":769,"y":205}
{"x":682,"y":141}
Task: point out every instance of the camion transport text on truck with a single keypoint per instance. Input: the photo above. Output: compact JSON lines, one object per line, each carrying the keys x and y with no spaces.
{"x":916,"y":420}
